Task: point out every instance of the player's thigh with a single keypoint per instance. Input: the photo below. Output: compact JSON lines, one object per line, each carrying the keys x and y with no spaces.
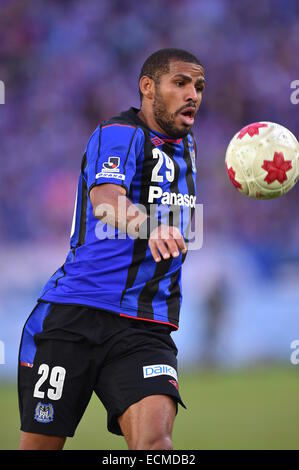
{"x":32,"y":441}
{"x":148,"y":423}
{"x":55,"y":390}
{"x":141,"y":364}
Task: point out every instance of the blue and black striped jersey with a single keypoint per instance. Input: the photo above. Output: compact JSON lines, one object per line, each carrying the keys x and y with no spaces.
{"x":116,"y":272}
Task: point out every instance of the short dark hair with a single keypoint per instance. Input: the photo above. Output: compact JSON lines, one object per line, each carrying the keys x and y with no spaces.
{"x":157,"y":63}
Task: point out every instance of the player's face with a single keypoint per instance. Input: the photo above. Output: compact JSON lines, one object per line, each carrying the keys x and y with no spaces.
{"x":177,"y":98}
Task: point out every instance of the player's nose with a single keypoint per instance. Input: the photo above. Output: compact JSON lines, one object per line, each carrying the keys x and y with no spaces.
{"x":192,"y":94}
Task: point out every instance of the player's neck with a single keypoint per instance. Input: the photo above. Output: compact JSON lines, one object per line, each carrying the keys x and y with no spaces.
{"x":147,"y":117}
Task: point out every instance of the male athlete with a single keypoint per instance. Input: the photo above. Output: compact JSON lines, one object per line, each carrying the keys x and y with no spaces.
{"x":103,"y":320}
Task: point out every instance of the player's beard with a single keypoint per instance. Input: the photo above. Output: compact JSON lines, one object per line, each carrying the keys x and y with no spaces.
{"x":165,"y":119}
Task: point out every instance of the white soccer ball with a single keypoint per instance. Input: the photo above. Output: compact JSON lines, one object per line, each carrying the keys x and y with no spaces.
{"x":262,"y":160}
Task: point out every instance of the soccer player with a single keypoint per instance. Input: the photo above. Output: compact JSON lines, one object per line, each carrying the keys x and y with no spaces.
{"x":103,"y":320}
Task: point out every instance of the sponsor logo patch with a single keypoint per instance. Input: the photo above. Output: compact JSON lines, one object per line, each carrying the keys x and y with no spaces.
{"x":178,"y":199}
{"x":159,"y":369}
{"x":117,"y":176}
{"x":111,"y":165}
{"x":44,"y":413}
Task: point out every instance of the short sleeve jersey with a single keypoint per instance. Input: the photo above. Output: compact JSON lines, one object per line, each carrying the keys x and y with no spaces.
{"x":108,"y":269}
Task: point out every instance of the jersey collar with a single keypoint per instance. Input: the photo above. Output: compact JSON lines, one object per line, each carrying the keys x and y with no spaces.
{"x":132,"y":113}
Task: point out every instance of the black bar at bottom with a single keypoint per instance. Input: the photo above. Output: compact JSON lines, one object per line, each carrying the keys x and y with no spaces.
{"x":134,"y":459}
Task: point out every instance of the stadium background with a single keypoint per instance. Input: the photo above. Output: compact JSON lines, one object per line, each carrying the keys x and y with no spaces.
{"x":66,"y":66}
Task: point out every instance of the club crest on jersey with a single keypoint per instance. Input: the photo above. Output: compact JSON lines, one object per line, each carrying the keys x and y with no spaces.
{"x":192,"y":156}
{"x":44,"y":413}
{"x":111,"y":165}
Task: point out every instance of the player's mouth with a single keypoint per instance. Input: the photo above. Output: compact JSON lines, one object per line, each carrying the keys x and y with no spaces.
{"x":188,"y":115}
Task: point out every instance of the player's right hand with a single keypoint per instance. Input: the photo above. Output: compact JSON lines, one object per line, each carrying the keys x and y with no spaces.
{"x":166,"y":241}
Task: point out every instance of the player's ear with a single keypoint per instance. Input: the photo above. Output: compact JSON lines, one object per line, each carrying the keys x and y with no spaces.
{"x":147,"y":87}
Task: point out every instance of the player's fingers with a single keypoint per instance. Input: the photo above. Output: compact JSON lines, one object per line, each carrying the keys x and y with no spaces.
{"x":178,"y":237}
{"x":163,"y":249}
{"x":181,"y":244}
{"x":172,"y":247}
{"x":154,"y":251}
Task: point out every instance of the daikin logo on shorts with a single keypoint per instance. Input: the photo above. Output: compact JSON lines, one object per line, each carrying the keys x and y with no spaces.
{"x":159,"y":369}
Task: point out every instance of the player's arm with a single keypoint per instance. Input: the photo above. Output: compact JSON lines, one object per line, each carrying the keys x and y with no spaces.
{"x":111,"y":205}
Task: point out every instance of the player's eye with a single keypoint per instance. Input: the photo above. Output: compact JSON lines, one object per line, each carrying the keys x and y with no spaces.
{"x":179,"y":83}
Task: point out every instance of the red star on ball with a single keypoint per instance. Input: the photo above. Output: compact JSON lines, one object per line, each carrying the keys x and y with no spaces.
{"x":231,"y":174}
{"x":277,"y":168}
{"x":252,"y":129}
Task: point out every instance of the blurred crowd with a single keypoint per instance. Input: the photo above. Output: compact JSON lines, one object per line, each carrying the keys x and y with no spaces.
{"x":69,"y":64}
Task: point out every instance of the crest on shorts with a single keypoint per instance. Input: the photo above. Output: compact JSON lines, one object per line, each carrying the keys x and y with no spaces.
{"x":44,"y":413}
